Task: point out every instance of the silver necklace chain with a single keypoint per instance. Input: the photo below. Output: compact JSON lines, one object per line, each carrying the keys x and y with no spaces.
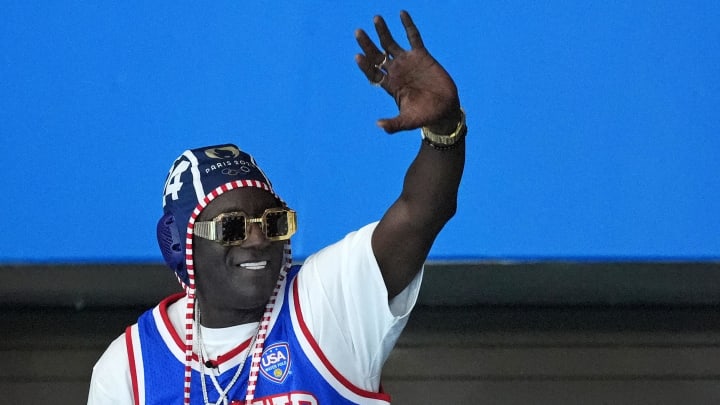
{"x":203,"y":356}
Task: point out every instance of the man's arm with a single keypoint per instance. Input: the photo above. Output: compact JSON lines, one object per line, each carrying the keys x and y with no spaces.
{"x":426,"y":97}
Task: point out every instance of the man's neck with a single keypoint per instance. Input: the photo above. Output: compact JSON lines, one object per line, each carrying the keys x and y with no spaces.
{"x":222,"y":318}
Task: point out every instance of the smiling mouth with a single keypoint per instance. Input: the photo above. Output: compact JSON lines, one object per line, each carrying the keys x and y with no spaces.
{"x":254,"y":265}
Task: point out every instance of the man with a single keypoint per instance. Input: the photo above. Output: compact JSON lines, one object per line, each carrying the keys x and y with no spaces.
{"x":251,"y":329}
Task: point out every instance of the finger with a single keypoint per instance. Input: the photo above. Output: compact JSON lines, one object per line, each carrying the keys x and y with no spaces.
{"x":373,"y":74}
{"x":386,"y":40}
{"x":393,"y":125}
{"x":389,"y":125}
{"x":372,"y":53}
{"x":413,"y":35}
{"x":399,"y":123}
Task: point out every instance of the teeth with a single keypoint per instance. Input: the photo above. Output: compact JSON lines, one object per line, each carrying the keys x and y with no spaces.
{"x":254,"y":265}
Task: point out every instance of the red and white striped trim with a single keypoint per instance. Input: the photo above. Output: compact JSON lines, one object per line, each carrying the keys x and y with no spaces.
{"x":321,"y":363}
{"x":190,"y":289}
{"x":135,"y":361}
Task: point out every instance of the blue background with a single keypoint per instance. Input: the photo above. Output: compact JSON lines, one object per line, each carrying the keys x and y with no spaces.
{"x":594,"y":125}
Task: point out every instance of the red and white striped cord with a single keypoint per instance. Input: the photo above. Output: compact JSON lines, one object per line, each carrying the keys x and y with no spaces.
{"x":190,"y":289}
{"x":263,"y":329}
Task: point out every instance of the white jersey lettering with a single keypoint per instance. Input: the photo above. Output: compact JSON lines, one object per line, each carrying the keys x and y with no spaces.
{"x":292,"y":398}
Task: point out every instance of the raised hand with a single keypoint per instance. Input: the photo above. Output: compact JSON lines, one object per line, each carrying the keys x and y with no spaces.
{"x":424,"y":92}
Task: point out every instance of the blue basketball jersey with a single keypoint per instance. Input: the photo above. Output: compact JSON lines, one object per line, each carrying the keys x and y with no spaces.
{"x":293,"y":368}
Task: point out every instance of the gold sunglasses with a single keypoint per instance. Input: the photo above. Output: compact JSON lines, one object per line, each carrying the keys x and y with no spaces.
{"x":231,"y":228}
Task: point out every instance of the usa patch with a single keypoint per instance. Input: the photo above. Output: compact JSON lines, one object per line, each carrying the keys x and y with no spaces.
{"x":275,"y":362}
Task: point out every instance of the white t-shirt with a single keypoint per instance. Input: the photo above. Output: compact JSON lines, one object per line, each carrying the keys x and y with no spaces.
{"x":345,"y":305}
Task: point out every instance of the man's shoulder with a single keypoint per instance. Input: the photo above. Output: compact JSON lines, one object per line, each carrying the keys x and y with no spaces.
{"x":347,"y":244}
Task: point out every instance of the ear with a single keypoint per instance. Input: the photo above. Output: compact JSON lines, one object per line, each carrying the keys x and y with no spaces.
{"x":172,"y":246}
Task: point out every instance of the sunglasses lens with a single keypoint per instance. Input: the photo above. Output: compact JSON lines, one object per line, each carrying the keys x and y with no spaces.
{"x":276,"y":224}
{"x":233,"y":229}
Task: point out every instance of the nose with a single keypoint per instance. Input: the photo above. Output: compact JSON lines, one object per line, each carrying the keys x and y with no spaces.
{"x":255,"y":237}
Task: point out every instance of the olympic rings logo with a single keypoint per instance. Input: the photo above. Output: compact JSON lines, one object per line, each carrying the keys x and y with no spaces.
{"x":235,"y":172}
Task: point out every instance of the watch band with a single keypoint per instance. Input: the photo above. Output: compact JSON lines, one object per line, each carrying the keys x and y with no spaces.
{"x":446,"y":141}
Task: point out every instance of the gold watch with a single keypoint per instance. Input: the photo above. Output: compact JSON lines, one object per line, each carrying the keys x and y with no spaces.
{"x":446,"y":141}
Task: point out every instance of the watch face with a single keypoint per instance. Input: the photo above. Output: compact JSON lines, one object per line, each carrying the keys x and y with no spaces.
{"x":440,"y":139}
{"x":447,"y":139}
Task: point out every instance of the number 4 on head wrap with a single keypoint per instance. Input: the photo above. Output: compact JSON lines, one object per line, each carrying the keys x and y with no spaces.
{"x":173,"y":183}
